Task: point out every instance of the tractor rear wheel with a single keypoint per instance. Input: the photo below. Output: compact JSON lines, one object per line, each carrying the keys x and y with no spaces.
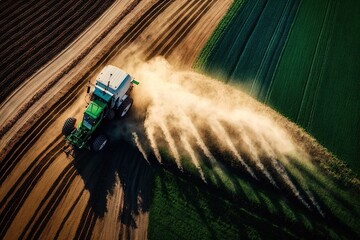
{"x":125,"y":107}
{"x":99,"y":143}
{"x":69,"y":126}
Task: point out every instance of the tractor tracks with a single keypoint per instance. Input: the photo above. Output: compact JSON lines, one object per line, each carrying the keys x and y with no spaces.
{"x":35,"y":132}
{"x":179,"y":28}
{"x":15,"y":200}
{"x":87,"y":223}
{"x":53,"y":197}
{"x":136,"y":29}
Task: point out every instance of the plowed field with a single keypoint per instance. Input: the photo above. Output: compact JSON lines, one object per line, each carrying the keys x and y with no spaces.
{"x":50,"y":50}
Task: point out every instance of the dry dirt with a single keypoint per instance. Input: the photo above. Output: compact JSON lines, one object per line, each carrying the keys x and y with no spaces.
{"x":47,"y":194}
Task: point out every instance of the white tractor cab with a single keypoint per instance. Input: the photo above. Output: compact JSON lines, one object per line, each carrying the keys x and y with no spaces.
{"x":113,"y":86}
{"x":111,"y":96}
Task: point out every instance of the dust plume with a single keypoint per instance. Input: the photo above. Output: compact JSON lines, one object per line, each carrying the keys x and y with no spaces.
{"x":192,"y":120}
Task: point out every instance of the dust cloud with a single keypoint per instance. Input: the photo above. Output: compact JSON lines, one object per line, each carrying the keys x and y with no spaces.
{"x":193,"y":119}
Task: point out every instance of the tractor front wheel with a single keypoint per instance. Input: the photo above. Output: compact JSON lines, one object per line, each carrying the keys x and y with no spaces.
{"x":125,"y":107}
{"x":99,"y":143}
{"x":69,"y":126}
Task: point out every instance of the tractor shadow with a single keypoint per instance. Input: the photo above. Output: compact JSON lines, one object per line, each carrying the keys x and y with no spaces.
{"x":119,"y":163}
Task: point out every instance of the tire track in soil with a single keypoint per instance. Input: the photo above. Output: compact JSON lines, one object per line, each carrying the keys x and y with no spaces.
{"x":94,"y":184}
{"x":14,"y":204}
{"x":65,"y":219}
{"x":29,"y":169}
{"x":179,"y":29}
{"x":54,"y":196}
{"x":135,"y":30}
{"x":179,"y":16}
{"x":87,"y":223}
{"x":88,"y":185}
{"x":186,"y":30}
{"x":89,"y":216}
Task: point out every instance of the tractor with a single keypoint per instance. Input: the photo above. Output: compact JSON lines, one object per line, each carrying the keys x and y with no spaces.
{"x":111,"y":97}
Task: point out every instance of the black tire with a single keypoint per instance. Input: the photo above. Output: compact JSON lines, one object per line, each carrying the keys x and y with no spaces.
{"x":69,"y":126}
{"x":99,"y":143}
{"x":125,"y":107}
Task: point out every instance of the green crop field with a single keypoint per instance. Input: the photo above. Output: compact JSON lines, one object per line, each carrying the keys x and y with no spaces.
{"x":182,"y":211}
{"x":317,"y":80}
{"x":192,"y":211}
{"x":300,"y":57}
{"x":232,"y":206}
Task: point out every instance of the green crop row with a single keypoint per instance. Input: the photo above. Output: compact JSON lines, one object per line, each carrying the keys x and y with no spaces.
{"x":317,"y":79}
{"x":222,"y":27}
{"x":247,"y":50}
{"x":301,"y":58}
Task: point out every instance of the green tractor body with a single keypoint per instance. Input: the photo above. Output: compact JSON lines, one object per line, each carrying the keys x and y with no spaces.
{"x":91,"y":121}
{"x":110,"y":96}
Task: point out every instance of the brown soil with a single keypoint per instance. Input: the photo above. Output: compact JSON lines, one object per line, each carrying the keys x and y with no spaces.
{"x":47,"y":194}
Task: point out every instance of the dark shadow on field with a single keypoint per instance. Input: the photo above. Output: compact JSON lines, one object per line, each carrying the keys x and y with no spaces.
{"x":213,"y":208}
{"x":337,"y":200}
{"x":287,"y":212}
{"x":121,"y":160}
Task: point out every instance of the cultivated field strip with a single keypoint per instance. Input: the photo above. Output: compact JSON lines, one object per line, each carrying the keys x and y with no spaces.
{"x":63,"y":183}
{"x":177,"y":30}
{"x":252,"y":52}
{"x":12,"y":25}
{"x":24,"y":176}
{"x":45,"y":44}
{"x":35,"y":132}
{"x":18,"y":198}
{"x":316,"y":83}
{"x":25,"y":143}
{"x":136,"y":29}
{"x":40,"y":164}
{"x":68,"y":68}
{"x":317,"y":68}
{"x":50,"y":202}
{"x":75,"y":62}
{"x":186,"y":30}
{"x":23,"y":54}
{"x":169,"y":30}
{"x":9,"y":9}
{"x":87,"y":223}
{"x":67,"y":216}
{"x":24,"y":38}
